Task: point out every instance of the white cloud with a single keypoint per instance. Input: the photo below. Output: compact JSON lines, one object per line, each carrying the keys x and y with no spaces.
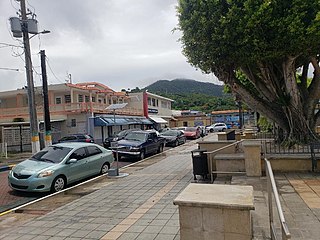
{"x":120,"y":43}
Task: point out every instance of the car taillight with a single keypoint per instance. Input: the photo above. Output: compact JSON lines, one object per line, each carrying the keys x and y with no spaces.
{"x":88,"y":140}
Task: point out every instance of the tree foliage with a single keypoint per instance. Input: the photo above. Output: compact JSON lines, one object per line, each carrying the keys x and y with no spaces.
{"x":269,"y":42}
{"x":200,"y":102}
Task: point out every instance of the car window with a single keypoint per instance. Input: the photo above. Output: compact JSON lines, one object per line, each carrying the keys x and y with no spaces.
{"x":93,"y":150}
{"x":54,"y":154}
{"x":79,"y":154}
{"x":136,"y":136}
{"x":68,"y":138}
{"x":81,"y":137}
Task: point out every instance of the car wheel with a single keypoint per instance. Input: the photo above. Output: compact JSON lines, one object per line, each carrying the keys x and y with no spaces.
{"x":160,"y":148}
{"x":176,"y":143}
{"x":142,"y":155}
{"x":58,"y":184}
{"x":223,"y":129}
{"x":104,"y":168}
{"x":211,"y":130}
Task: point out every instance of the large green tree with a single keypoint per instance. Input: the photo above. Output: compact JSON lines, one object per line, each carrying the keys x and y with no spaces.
{"x":272,"y":42}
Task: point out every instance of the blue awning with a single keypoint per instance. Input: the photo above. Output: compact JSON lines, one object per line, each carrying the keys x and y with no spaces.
{"x":109,"y":121}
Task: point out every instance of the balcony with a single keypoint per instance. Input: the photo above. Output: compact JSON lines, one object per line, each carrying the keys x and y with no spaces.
{"x":8,"y":114}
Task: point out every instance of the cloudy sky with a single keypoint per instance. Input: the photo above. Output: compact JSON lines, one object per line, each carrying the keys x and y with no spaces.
{"x":120,"y":43}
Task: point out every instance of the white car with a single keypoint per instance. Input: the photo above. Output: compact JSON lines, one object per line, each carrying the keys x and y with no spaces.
{"x":217,"y":127}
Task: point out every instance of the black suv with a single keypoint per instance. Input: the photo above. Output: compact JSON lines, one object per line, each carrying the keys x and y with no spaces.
{"x":77,"y":138}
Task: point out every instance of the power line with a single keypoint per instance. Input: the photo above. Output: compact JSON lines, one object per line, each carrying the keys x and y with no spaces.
{"x":47,"y":60}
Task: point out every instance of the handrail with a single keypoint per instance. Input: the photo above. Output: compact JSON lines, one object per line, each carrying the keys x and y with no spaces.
{"x":220,"y":149}
{"x":272,"y":188}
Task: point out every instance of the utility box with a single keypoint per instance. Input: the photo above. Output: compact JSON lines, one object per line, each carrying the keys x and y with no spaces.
{"x":231,"y":135}
{"x":199,"y":163}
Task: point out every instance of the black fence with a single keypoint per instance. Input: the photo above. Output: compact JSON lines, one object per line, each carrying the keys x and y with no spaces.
{"x":270,"y":145}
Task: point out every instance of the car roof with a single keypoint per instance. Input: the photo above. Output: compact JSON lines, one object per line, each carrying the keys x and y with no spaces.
{"x":74,"y":144}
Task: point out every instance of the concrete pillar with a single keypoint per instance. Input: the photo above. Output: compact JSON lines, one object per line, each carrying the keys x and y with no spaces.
{"x":214,"y":211}
{"x":252,"y":156}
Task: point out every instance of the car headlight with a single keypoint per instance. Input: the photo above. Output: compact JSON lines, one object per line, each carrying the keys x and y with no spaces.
{"x":46,"y":173}
{"x":134,"y":148}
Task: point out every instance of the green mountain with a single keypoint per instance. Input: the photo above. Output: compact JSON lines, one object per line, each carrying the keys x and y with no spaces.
{"x":185,"y":86}
{"x":193,"y":95}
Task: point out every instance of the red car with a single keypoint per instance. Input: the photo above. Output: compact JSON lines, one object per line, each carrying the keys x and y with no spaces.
{"x":192,"y":132}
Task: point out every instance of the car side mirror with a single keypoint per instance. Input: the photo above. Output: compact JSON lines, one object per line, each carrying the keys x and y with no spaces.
{"x":72,"y":160}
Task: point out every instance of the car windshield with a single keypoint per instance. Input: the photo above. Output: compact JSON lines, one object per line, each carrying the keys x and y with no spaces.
{"x":54,"y":154}
{"x":191,"y":129}
{"x":169,"y":133}
{"x":136,"y":136}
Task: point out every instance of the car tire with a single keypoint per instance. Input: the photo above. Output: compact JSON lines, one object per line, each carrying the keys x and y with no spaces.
{"x":211,"y":130}
{"x":105,"y":168}
{"x":176,"y":143}
{"x":223,"y":130}
{"x":58,"y":184}
{"x":142,"y":155}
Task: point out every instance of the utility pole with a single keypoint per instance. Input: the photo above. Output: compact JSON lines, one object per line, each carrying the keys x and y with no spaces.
{"x":34,"y":127}
{"x":47,"y":124}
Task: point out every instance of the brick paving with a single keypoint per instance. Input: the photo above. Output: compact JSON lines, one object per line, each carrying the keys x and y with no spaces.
{"x":140,"y":206}
{"x":9,"y":198}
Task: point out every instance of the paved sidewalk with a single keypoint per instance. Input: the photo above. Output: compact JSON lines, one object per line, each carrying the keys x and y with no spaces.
{"x":140,"y":206}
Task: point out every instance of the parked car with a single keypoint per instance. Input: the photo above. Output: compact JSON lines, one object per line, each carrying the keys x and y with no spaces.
{"x":192,"y":132}
{"x":179,"y":128}
{"x":217,"y":127}
{"x":173,"y":137}
{"x":79,"y":137}
{"x":58,"y":165}
{"x":120,"y":135}
{"x":140,"y":143}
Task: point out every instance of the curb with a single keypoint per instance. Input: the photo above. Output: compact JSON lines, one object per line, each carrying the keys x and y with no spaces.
{"x":6,"y":168}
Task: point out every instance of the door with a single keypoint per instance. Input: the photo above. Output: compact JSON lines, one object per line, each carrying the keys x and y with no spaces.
{"x":78,"y":170}
{"x":94,"y":159}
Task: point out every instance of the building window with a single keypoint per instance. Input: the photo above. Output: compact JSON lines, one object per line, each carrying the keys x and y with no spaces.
{"x":114,"y":101}
{"x":80,"y":98}
{"x":87,"y":98}
{"x":104,"y":101}
{"x":73,"y":122}
{"x":67,"y":98}
{"x":164,"y":104}
{"x":157,"y":103}
{"x":149,"y":101}
{"x":58,"y":100}
{"x":109,"y":101}
{"x":153,"y":102}
{"x":93,"y":99}
{"x":99,"y":101}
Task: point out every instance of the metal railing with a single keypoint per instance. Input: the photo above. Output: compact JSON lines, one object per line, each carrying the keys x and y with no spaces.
{"x":237,"y":145}
{"x":272,"y":146}
{"x":272,"y":191}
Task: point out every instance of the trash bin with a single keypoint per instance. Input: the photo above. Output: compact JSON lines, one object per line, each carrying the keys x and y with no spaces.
{"x":231,"y":135}
{"x":199,"y":163}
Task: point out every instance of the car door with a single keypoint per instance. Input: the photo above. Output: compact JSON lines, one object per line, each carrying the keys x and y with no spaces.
{"x":152,"y":145}
{"x":94,"y":160}
{"x":181,"y":137}
{"x":77,"y":170}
